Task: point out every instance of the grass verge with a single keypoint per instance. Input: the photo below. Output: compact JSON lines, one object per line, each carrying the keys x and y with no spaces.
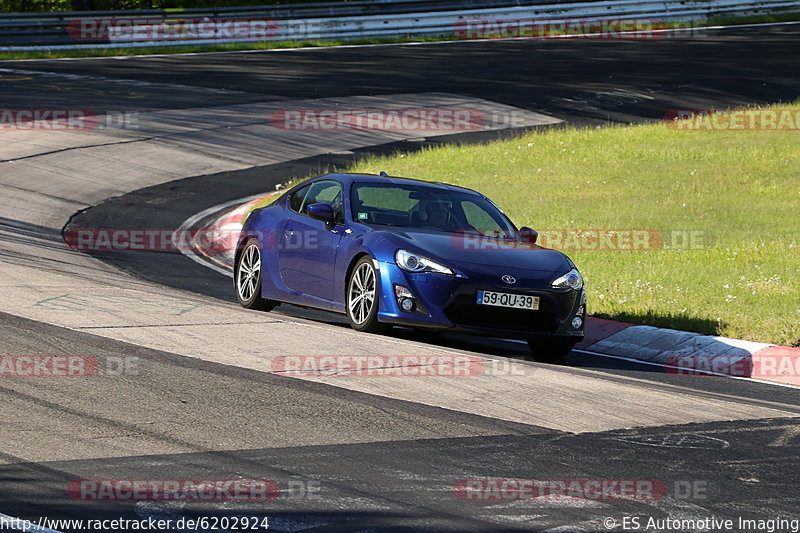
{"x":725,"y":203}
{"x":193,"y":49}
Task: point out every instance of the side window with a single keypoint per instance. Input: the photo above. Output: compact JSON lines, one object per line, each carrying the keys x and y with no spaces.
{"x":297,"y":197}
{"x":328,"y":192}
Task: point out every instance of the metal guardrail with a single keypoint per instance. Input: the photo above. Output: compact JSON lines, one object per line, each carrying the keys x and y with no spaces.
{"x":340,"y":21}
{"x":20,"y":29}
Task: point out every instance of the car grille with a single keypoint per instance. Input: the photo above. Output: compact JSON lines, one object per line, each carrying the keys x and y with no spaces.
{"x":463,"y":311}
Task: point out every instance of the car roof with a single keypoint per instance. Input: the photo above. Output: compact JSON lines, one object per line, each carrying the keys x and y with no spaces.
{"x":375,"y":178}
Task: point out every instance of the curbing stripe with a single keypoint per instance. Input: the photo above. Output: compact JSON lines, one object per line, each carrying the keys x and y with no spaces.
{"x":674,"y":349}
{"x":223,"y":227}
{"x":598,"y":329}
{"x":188,"y":225}
{"x":784,"y":360}
{"x":659,"y":344}
{"x":667,"y":367}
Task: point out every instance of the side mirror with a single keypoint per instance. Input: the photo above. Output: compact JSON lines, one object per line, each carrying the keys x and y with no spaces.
{"x":323,"y":212}
{"x":528,"y":234}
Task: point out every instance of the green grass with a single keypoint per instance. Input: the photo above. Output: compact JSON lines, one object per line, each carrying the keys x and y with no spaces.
{"x":753,"y":19}
{"x":740,"y":189}
{"x":189,"y":48}
{"x":275,"y":45}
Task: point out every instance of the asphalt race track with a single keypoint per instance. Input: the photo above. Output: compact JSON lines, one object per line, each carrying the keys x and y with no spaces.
{"x":589,"y":79}
{"x":349,"y":456}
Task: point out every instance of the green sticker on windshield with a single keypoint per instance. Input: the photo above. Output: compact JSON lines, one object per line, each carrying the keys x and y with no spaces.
{"x":363,"y":216}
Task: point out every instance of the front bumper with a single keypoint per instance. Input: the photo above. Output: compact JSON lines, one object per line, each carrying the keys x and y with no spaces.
{"x":447,"y":303}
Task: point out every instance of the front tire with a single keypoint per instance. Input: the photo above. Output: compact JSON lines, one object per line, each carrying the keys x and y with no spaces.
{"x":247,"y":278}
{"x":551,"y":350}
{"x":362,"y":298}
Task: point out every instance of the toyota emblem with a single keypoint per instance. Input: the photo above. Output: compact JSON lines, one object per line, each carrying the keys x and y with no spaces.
{"x":509,"y":279}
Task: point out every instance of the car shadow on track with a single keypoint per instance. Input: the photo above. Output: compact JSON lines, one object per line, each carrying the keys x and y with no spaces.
{"x":490,"y":346}
{"x":471,"y":343}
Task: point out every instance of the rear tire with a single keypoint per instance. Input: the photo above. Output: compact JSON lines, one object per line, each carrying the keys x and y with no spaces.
{"x":551,"y":350}
{"x":361,"y":301}
{"x":247,"y":278}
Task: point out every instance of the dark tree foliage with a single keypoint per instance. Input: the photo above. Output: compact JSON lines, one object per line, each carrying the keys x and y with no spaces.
{"x":33,"y":6}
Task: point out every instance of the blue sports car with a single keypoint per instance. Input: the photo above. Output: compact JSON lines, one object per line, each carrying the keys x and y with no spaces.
{"x":391,"y":251}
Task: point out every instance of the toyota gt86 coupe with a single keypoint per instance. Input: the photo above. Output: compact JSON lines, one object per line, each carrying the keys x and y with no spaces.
{"x":390,"y":251}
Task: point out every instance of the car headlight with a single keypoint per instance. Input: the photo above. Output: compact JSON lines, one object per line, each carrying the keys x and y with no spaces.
{"x":571,"y":279}
{"x":417,"y":263}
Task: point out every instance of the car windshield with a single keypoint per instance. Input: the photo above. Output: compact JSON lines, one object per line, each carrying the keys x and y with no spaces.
{"x":424,"y":207}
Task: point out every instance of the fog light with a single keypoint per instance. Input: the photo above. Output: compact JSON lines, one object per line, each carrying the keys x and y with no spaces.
{"x":405,"y":299}
{"x":402,"y":292}
{"x":577,"y":322}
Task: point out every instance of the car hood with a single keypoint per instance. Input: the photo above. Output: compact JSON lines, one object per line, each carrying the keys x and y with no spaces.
{"x":468,"y":252}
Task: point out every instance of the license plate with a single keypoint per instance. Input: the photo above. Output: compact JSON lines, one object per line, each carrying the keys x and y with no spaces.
{"x":505,"y":299}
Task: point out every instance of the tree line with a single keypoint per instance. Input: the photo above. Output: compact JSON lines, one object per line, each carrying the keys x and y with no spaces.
{"x":52,"y":6}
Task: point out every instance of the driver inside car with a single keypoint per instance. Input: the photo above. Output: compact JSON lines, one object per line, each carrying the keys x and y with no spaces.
{"x":437,"y":216}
